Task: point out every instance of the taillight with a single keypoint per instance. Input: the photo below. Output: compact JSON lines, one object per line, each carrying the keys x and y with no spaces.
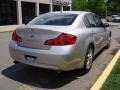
{"x":61,"y":40}
{"x":16,"y":38}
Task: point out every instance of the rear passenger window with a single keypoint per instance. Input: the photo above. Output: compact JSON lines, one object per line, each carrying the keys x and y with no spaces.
{"x":98,"y":21}
{"x":91,"y":20}
{"x":87,"y":24}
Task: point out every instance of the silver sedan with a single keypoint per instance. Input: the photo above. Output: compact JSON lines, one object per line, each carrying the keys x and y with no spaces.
{"x":60,"y":40}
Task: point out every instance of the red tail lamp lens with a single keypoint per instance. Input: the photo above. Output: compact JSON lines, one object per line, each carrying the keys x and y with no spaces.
{"x":61,"y":40}
{"x":16,"y":38}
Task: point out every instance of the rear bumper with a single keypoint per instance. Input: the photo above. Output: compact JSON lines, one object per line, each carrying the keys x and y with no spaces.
{"x":55,"y":59}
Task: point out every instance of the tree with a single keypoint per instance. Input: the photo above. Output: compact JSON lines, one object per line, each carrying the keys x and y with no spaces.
{"x":79,"y":5}
{"x":98,"y":6}
{"x":114,"y":6}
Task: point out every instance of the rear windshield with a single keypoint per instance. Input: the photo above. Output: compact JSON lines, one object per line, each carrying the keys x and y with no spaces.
{"x":55,"y":19}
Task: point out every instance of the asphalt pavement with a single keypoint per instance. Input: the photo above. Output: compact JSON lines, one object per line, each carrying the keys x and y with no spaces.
{"x":23,"y":77}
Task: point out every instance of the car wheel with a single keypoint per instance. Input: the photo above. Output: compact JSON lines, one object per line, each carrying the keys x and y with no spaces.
{"x":108,"y":43}
{"x":88,"y":60}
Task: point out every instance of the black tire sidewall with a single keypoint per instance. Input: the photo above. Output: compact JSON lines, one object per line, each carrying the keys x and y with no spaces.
{"x":85,"y":62}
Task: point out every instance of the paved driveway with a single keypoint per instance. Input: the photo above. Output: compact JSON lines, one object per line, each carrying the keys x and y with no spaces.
{"x":22,"y":77}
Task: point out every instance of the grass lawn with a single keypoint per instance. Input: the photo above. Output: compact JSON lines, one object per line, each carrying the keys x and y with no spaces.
{"x":113,"y":81}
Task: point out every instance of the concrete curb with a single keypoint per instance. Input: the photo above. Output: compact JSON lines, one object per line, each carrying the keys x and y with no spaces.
{"x":102,"y":78}
{"x":9,"y":28}
{"x":6,"y":31}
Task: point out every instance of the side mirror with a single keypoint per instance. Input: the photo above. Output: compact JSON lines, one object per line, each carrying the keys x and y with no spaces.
{"x":106,"y":25}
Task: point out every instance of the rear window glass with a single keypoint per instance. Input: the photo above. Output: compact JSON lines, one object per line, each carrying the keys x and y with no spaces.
{"x":55,"y":19}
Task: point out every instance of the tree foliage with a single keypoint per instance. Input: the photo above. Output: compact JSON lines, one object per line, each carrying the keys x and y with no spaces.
{"x":114,"y":6}
{"x":98,"y":6}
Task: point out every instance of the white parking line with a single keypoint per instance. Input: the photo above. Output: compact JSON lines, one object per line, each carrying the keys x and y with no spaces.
{"x":1,"y":76}
{"x":26,"y":87}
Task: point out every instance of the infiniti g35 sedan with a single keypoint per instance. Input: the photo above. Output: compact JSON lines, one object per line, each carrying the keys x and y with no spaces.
{"x":63,"y":41}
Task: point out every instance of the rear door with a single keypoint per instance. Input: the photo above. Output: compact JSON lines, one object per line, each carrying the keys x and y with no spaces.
{"x":101,"y":27}
{"x":98,"y":32}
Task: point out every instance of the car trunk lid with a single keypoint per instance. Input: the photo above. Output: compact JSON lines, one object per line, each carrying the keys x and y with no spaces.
{"x":34,"y":37}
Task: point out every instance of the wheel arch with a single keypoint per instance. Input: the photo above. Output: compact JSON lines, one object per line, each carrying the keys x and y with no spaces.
{"x":93,"y":46}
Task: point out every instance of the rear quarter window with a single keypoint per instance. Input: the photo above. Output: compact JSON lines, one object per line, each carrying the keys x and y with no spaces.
{"x":86,"y":22}
{"x":91,"y":20}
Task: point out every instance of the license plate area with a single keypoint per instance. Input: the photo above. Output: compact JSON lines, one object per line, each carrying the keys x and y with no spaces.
{"x":30,"y":59}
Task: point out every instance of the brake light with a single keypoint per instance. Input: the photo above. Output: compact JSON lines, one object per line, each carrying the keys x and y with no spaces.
{"x":16,"y":38}
{"x":61,"y":40}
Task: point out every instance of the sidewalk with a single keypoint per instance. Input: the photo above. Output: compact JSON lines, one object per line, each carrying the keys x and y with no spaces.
{"x":9,"y":28}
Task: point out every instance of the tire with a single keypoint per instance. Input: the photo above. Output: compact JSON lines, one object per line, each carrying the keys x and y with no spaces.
{"x":108,"y":43}
{"x":88,"y":59}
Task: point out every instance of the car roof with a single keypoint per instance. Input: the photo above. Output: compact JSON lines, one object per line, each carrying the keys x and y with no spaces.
{"x":72,"y":12}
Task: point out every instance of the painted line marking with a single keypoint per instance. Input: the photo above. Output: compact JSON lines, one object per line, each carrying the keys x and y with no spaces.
{"x":102,"y":78}
{"x":25,"y":87}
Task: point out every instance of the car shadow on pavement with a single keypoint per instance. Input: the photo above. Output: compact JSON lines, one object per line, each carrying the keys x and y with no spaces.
{"x":99,"y":53}
{"x":41,"y":78}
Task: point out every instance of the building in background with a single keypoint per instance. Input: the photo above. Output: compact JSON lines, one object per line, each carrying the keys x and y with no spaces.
{"x":14,"y":13}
